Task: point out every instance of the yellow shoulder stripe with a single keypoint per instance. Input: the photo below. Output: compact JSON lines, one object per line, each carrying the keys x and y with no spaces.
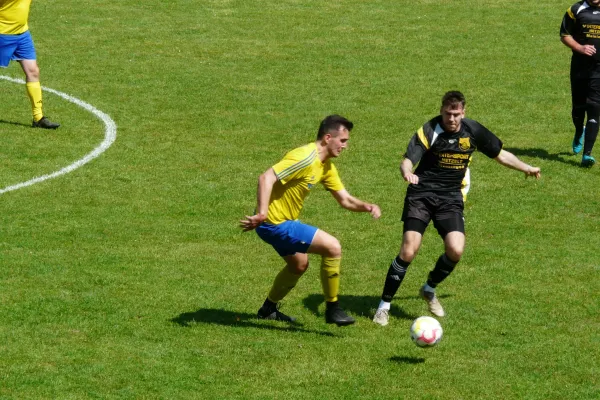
{"x":570,"y":12}
{"x":423,"y":138}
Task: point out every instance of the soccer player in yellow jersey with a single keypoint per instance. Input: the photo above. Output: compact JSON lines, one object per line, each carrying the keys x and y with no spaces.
{"x":281,"y":193}
{"x":16,"y":44}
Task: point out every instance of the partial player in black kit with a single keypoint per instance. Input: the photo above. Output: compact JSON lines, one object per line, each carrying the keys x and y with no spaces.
{"x":443,"y":149}
{"x":580,"y":31}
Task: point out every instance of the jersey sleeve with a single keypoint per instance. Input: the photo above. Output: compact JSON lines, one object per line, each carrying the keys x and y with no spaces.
{"x":417,"y":146}
{"x":331,"y":179}
{"x":486,"y":142}
{"x":294,"y":164}
{"x":567,"y":28}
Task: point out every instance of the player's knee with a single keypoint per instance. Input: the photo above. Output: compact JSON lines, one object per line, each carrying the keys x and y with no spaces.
{"x":299,"y":268}
{"x":408,"y":253}
{"x":454,"y":253}
{"x":32,"y":73}
{"x":334,"y":249}
{"x":593,"y":111}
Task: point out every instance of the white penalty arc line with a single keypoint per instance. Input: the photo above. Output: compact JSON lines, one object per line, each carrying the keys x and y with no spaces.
{"x":110,"y":135}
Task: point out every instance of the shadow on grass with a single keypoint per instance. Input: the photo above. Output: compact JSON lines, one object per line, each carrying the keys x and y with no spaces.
{"x":237,"y":320}
{"x":2,"y":121}
{"x":407,"y":360}
{"x":362,"y":305}
{"x":563,"y":157}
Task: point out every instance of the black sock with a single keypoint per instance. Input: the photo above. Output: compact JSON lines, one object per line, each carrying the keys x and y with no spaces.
{"x":591,"y":128}
{"x":268,"y":305}
{"x":578,"y":116}
{"x":443,"y":267}
{"x":394,"y":278}
{"x":330,"y":305}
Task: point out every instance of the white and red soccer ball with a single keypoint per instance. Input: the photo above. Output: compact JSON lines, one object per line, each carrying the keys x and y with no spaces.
{"x":426,"y":331}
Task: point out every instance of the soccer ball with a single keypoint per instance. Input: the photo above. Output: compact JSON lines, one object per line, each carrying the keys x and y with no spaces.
{"x":426,"y":331}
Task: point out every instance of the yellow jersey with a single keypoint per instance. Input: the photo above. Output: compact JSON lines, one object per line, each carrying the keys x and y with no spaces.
{"x":13,"y":16}
{"x":297,"y":173}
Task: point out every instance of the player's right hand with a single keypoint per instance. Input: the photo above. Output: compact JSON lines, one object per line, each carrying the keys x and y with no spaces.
{"x":411,"y":178}
{"x":251,"y":222}
{"x":533,"y":171}
{"x":588,"y":49}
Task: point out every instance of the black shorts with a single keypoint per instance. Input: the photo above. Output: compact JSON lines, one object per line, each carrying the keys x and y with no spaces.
{"x":585,"y":90}
{"x":446,"y":213}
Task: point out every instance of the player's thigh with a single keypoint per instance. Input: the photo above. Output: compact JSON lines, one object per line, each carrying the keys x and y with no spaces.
{"x":8,"y":46}
{"x":579,"y":91}
{"x":448,"y":216}
{"x":450,"y":224}
{"x":325,"y":245}
{"x":419,"y":208}
{"x":287,"y":238}
{"x":25,"y":48}
{"x":416,"y":215}
{"x":593,"y":95}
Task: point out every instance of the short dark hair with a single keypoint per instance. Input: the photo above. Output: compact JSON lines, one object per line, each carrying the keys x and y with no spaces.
{"x":333,"y":123}
{"x":453,"y":98}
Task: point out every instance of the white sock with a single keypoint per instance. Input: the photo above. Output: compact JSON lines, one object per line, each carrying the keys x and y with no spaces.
{"x":428,"y":288}
{"x":384,"y":305}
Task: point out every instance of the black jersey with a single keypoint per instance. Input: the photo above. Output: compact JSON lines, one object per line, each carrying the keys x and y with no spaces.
{"x":582,"y":22}
{"x":443,"y":157}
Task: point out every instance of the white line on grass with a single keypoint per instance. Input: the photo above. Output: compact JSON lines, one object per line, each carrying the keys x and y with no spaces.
{"x":110,"y":135}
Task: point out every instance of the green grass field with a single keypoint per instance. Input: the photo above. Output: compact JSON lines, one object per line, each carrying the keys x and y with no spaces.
{"x":129,"y":278}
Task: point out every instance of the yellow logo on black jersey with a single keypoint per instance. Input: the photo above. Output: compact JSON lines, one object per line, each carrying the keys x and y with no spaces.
{"x":464,"y":143}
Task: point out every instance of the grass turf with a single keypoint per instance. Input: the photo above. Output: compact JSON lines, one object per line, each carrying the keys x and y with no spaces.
{"x":128,"y":278}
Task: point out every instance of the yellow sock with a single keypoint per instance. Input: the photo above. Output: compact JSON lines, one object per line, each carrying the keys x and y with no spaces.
{"x":284,"y":282}
{"x":330,"y":277}
{"x":34,"y":91}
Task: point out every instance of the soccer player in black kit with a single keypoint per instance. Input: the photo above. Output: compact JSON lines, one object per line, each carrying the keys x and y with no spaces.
{"x":580,"y":31}
{"x":443,"y":149}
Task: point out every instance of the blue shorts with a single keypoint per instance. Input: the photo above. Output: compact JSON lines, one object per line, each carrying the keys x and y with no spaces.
{"x":287,"y":238}
{"x":16,"y":47}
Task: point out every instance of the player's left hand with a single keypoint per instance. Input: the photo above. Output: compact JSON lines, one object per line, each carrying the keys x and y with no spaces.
{"x":374,"y":210}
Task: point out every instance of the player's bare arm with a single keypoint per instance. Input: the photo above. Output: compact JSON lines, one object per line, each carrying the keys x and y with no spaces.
{"x":587,"y":49}
{"x":351,"y":203}
{"x":265,"y":187}
{"x":406,"y":169}
{"x":509,"y":160}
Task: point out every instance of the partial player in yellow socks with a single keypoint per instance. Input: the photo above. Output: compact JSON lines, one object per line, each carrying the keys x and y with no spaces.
{"x":284,"y":282}
{"x":282,"y":189}
{"x":34,"y":91}
{"x":16,"y":43}
{"x":330,"y":282}
{"x":330,"y":278}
